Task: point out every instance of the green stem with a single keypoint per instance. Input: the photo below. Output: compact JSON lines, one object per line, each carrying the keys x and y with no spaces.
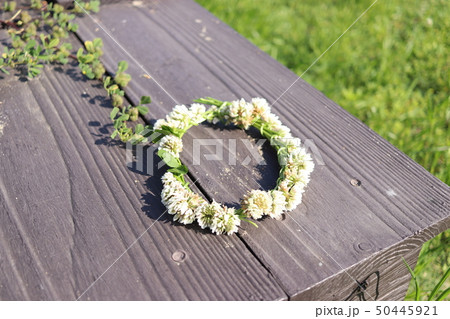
{"x":416,"y":283}
{"x":210,"y":101}
{"x":439,"y":284}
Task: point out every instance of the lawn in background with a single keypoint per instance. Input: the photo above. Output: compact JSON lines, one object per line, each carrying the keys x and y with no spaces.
{"x":391,"y":70}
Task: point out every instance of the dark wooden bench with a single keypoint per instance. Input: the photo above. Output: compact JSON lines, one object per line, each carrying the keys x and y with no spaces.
{"x":77,"y":222}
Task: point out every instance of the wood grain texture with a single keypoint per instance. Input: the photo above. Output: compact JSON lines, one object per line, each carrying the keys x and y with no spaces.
{"x":70,"y":207}
{"x":192,"y":54}
{"x":383,"y":276}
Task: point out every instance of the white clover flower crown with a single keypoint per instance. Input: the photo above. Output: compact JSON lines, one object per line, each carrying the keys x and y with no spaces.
{"x":187,"y":206}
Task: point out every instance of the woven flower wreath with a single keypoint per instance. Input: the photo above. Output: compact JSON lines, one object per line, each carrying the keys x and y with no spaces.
{"x":188,"y":207}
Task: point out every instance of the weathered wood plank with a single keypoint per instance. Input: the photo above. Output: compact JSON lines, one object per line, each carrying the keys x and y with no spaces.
{"x":70,"y":207}
{"x":384,"y":276}
{"x":193,"y":54}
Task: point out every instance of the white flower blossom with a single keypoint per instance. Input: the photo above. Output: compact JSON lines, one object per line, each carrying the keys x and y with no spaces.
{"x":225,"y":221}
{"x":179,"y":113}
{"x":261,"y":108}
{"x":205,"y":214}
{"x":182,"y":212}
{"x":196,"y":113}
{"x":172,"y":144}
{"x":177,"y":124}
{"x":298,"y":166}
{"x":168,"y":179}
{"x":289,"y":143}
{"x":172,"y":123}
{"x":292,"y":192}
{"x":181,"y":117}
{"x":295,"y":196}
{"x":273,"y":121}
{"x":159,"y":124}
{"x":275,"y":125}
{"x":178,"y":200}
{"x":284,"y":131}
{"x":257,"y":203}
{"x":241,"y":113}
{"x":178,"y":118}
{"x":278,"y":204}
{"x":172,"y":189}
{"x":284,"y":186}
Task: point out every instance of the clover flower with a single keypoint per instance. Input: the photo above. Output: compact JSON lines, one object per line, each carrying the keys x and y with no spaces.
{"x":179,"y":113}
{"x":179,"y":207}
{"x":205,"y":214}
{"x":283,"y":131}
{"x":292,"y":191}
{"x":172,"y":144}
{"x":284,"y":186}
{"x":260,"y":108}
{"x":275,"y":125}
{"x":278,"y":204}
{"x":225,"y":221}
{"x":299,"y":155}
{"x":289,"y":143}
{"x":273,"y":121}
{"x":187,"y":216}
{"x":159,"y":124}
{"x":295,"y":196}
{"x":298,"y":166}
{"x":179,"y":201}
{"x":256,"y":204}
{"x":182,"y":118}
{"x":196,"y":112}
{"x":170,"y":123}
{"x":178,"y":118}
{"x":241,"y":113}
{"x":168,"y":179}
{"x":173,"y":190}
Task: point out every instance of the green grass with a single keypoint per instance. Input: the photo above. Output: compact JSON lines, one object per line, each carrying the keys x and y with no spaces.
{"x":391,"y":70}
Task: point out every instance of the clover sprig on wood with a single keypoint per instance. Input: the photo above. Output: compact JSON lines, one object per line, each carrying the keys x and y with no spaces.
{"x":39,"y":35}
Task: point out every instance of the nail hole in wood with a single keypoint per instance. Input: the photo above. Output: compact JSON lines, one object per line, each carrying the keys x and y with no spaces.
{"x":179,"y":256}
{"x":365,"y":246}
